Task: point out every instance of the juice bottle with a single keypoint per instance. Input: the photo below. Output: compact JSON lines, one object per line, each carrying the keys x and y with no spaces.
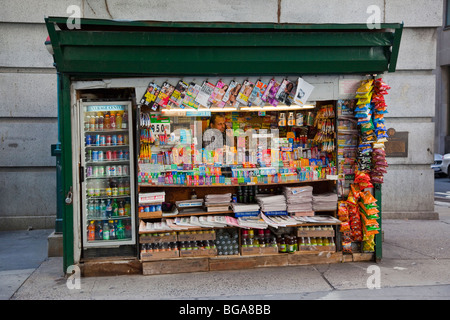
{"x":92,"y":123}
{"x":119,"y":121}
{"x":106,"y":122}
{"x":91,"y":231}
{"x":127,"y":208}
{"x":112,"y":121}
{"x":100,"y":121}
{"x":121,"y":209}
{"x":125,"y":120}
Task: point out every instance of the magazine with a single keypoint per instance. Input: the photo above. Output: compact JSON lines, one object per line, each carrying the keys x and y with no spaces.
{"x":284,"y":91}
{"x":191,"y":94}
{"x":227,"y":94}
{"x":214,"y":98}
{"x":205,"y":92}
{"x":164,"y":94}
{"x":232,"y":94}
{"x":269,"y":87}
{"x":303,"y":92}
{"x":246,"y":91}
{"x":178,"y":94}
{"x":271,"y":97}
{"x":258,"y":91}
{"x":150,"y":95}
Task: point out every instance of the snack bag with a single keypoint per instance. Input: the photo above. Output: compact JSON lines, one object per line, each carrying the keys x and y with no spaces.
{"x":367,"y":197}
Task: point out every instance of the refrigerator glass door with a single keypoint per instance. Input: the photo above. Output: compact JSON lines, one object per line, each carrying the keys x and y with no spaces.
{"x":108,"y":213}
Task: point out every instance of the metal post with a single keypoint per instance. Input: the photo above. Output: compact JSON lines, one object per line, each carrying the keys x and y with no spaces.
{"x":379,"y":236}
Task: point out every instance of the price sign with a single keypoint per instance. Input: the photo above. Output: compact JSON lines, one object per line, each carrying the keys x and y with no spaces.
{"x":158,"y":128}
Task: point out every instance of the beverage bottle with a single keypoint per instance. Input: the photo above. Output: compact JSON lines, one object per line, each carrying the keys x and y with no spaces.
{"x":91,"y":209}
{"x":106,"y":231}
{"x":96,"y":122}
{"x":103,"y":209}
{"x":128,"y":230}
{"x":127,"y":208}
{"x":120,"y":230}
{"x":127,"y":187}
{"x":98,"y":231}
{"x":115,"y":208}
{"x":121,"y":188}
{"x":125,"y":120}
{"x":106,"y":122}
{"x":92,"y":123}
{"x":109,"y":208}
{"x":91,"y":231}
{"x":112,"y":121}
{"x":118,"y":121}
{"x":112,"y":230}
{"x":87,"y":120}
{"x":114,"y":188}
{"x":97,"y":208}
{"x":121,"y":208}
{"x":100,"y":121}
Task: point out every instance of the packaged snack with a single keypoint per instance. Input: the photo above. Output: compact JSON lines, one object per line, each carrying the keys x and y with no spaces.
{"x":367,"y":197}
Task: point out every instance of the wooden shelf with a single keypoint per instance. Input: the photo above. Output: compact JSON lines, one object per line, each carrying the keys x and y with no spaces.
{"x":145,"y":185}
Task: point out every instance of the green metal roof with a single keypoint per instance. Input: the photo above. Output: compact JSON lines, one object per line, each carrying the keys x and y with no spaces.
{"x":111,"y":47}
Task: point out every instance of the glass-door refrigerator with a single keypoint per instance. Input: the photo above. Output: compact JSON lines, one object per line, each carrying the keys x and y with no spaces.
{"x":108,"y":205}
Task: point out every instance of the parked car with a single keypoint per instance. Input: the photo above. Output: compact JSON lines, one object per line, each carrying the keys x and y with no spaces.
{"x":441,"y":165}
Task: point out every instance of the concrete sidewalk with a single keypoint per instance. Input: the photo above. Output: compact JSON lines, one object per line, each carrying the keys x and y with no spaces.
{"x":416,"y":255}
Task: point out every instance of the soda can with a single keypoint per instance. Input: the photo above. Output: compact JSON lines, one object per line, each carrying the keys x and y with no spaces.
{"x":112,"y":171}
{"x":89,"y":171}
{"x":88,"y":140}
{"x":97,"y":139}
{"x":95,"y":171}
{"x":102,"y":140}
{"x":94,"y":155}
{"x":120,"y":139}
{"x":101,"y":156}
{"x":108,"y":155}
{"x":126,"y":170}
{"x":126,"y":155}
{"x":101,"y":171}
{"x":120,"y":155}
{"x":107,"y":171}
{"x":119,"y":171}
{"x":114,"y":155}
{"x":108,"y":140}
{"x":125,"y":139}
{"x":114,"y":140}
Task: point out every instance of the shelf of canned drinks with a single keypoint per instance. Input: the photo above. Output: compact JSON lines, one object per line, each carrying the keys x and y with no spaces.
{"x":106,"y":140}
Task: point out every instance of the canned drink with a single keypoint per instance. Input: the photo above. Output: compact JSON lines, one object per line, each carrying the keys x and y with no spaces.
{"x":101,"y":156}
{"x":114,"y":155}
{"x":95,"y":155}
{"x":97,"y":139}
{"x":108,"y":171}
{"x":125,"y":139}
{"x":120,"y":139}
{"x":120,"y":155}
{"x":108,"y":140}
{"x":108,"y":155}
{"x":112,"y":171}
{"x":88,"y":140}
{"x":126,"y":170}
{"x":102,"y":140}
{"x":126,"y":155}
{"x":89,"y":171}
{"x":95,"y":171}
{"x":114,"y":140}
{"x":119,"y":171}
{"x":101,"y":171}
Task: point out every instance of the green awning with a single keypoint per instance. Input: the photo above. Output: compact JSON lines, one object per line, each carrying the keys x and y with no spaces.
{"x":137,"y":48}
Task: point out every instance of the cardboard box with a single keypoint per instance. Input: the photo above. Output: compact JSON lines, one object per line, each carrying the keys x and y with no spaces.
{"x":315,"y":233}
{"x":196,"y":236}
{"x":157,"y":239}
{"x":316,"y":249}
{"x":150,"y":215}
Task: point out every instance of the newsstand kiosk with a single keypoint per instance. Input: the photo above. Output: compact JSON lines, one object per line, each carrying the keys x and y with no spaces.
{"x":192,"y":147}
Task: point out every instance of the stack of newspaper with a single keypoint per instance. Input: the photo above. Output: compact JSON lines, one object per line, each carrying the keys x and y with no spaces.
{"x":270,"y":204}
{"x":245,"y":209}
{"x":299,"y":200}
{"x":217,"y":202}
{"x":325,"y":202}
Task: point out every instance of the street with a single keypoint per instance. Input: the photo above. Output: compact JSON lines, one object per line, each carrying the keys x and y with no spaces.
{"x":442,"y":190}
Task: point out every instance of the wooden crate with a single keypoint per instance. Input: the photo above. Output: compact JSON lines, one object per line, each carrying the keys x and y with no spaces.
{"x":160,"y":255}
{"x":315,"y":233}
{"x":315,"y":249}
{"x":248,"y":251}
{"x":196,"y":236}
{"x":157,"y":239}
{"x":150,"y":215}
{"x":198,"y":253}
